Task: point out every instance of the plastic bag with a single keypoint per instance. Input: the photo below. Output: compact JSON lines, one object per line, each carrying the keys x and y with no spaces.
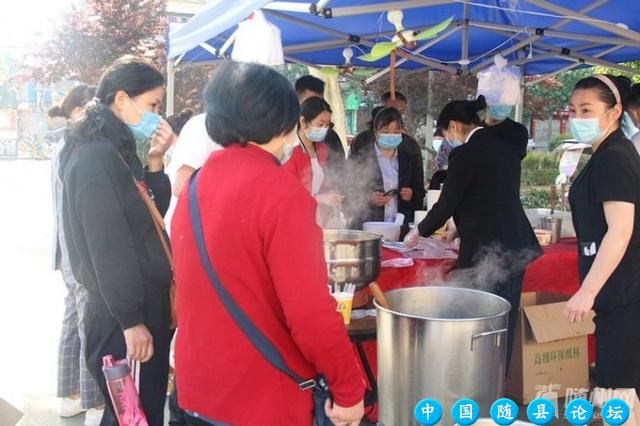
{"x":500,"y":84}
{"x":258,"y":40}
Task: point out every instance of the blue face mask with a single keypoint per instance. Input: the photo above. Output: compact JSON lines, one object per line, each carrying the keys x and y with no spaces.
{"x":628,"y":128}
{"x":586,"y":130}
{"x":500,"y":112}
{"x":147,"y":125}
{"x":287,"y":151}
{"x":389,"y":140}
{"x":453,"y":141}
{"x":316,"y":134}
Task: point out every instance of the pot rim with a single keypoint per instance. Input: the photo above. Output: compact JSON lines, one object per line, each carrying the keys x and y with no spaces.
{"x":422,"y":317}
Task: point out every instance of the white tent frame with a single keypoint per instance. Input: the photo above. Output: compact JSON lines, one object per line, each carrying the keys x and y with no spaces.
{"x":529,"y":41}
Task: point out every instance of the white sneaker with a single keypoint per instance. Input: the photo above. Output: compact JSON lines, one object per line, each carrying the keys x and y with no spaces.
{"x":93,"y":417}
{"x":70,"y":407}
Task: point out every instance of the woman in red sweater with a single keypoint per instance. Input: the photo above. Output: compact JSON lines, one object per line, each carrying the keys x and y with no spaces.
{"x":310,"y":159}
{"x":260,"y":233}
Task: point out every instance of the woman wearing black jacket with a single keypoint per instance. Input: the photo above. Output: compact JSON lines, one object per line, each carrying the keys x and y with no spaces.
{"x":482,"y":193}
{"x":385,"y":175}
{"x":605,"y":204}
{"x":114,"y":249}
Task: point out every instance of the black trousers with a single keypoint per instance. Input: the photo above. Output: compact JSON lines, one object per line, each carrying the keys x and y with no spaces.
{"x":104,"y":337}
{"x":177,"y":417}
{"x":618,"y":347}
{"x":511,"y":290}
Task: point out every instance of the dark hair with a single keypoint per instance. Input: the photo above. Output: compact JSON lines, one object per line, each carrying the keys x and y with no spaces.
{"x":605,"y":94}
{"x":177,"y":121}
{"x":312,"y":107}
{"x":463,"y":111}
{"x":134,"y":77}
{"x":249,"y":102}
{"x":374,"y":112}
{"x":633,"y":98}
{"x":309,"y":82}
{"x":386,"y":116}
{"x":55,"y":111}
{"x":77,"y":97}
{"x":386,"y":96}
{"x":438,"y":132}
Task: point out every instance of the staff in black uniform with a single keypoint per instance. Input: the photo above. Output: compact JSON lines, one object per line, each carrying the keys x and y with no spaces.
{"x":481,"y":192}
{"x":604,"y":201}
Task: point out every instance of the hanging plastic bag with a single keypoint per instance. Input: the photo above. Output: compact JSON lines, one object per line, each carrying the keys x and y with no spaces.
{"x":258,"y":40}
{"x":500,"y":84}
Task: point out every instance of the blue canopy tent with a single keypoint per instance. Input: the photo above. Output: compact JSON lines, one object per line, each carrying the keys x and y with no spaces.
{"x":539,"y":36}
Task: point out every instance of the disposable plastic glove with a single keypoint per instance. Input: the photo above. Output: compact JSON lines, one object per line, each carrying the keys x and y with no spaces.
{"x":412,"y":238}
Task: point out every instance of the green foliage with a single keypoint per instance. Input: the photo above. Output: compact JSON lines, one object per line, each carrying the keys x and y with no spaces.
{"x":635,"y":77}
{"x":535,"y":197}
{"x":557,"y":140}
{"x":539,"y":169}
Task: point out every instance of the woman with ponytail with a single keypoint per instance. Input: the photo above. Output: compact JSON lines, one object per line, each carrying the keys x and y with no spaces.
{"x":114,"y":250}
{"x":605,"y":201}
{"x":77,"y":389}
{"x":482,"y":193}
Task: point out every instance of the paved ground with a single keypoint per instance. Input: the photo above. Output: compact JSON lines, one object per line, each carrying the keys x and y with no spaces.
{"x":31,"y":300}
{"x":31,"y":296}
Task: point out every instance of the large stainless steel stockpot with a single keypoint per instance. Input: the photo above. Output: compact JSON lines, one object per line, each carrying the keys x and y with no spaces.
{"x":352,"y":256}
{"x":444,"y":343}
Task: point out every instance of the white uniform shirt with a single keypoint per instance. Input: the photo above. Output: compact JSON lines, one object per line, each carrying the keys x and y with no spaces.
{"x":192,"y":149}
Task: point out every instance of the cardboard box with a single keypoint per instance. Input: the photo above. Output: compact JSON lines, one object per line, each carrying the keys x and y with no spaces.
{"x":9,"y":415}
{"x":549,"y":352}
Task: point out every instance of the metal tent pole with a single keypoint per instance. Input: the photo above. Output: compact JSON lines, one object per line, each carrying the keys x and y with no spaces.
{"x":170,"y":87}
{"x":422,"y":48}
{"x":607,"y":26}
{"x":536,"y":37}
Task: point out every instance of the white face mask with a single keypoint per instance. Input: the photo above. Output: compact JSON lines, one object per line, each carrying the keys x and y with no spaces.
{"x":287,"y":150}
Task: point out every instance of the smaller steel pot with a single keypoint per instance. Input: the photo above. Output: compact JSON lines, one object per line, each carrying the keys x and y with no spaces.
{"x":352,"y":256}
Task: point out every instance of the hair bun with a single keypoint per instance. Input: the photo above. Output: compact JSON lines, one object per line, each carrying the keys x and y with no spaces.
{"x":55,"y":111}
{"x":480,"y":103}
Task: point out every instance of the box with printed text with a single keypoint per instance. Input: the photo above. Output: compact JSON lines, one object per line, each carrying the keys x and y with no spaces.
{"x":547,"y":349}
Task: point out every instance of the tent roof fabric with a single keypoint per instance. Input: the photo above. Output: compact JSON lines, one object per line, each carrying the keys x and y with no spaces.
{"x":542,"y":36}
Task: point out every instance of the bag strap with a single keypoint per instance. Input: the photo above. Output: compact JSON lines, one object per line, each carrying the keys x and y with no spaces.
{"x":255,"y":336}
{"x":156,"y":217}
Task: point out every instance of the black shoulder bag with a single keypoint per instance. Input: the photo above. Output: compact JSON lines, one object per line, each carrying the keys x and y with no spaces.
{"x":255,"y":336}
